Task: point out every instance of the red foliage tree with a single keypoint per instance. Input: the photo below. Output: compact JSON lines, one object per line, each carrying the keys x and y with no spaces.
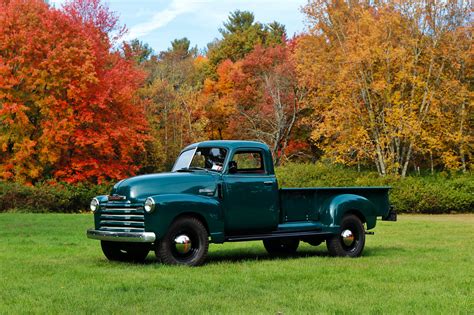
{"x":67,"y":100}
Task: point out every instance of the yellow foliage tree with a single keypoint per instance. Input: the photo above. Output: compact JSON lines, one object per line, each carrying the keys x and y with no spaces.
{"x":389,"y":81}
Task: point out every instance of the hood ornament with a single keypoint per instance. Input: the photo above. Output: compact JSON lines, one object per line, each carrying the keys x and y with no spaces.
{"x":116,"y":197}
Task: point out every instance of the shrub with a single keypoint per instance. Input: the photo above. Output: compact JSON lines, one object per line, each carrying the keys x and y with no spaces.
{"x":440,"y":193}
{"x":43,"y":197}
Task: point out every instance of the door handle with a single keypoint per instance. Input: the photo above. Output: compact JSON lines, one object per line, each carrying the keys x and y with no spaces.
{"x":268,"y":183}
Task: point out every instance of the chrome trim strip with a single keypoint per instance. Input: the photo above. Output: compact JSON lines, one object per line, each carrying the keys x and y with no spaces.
{"x":139,"y":237}
{"x":131,"y":217}
{"x":128,"y":228}
{"x":122,"y":223}
{"x":122,"y":209}
{"x":129,"y":212}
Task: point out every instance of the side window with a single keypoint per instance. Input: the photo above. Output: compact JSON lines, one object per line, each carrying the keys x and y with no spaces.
{"x":249,"y":162}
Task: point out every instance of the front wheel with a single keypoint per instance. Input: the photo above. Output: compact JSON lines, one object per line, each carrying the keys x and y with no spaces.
{"x":283,"y":246}
{"x":127,"y":252}
{"x":350,"y":241}
{"x":185,"y":243}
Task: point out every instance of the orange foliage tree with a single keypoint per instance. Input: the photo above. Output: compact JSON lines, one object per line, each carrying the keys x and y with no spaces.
{"x":67,"y":105}
{"x":219,"y":102}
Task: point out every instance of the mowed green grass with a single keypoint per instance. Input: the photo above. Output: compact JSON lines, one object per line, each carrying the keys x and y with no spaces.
{"x":420,"y":264}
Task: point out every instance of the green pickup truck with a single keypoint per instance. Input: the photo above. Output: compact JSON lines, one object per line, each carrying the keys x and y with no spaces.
{"x":226,"y":191}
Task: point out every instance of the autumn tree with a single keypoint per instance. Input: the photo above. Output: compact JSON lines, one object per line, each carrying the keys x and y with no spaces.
{"x":219,"y":101}
{"x":385,"y":80}
{"x":176,"y":64}
{"x":67,"y":105}
{"x":257,"y":97}
{"x":267,"y":97}
{"x":172,"y":100}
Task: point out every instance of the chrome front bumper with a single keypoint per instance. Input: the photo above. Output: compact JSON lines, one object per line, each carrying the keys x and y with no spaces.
{"x":137,"y":237}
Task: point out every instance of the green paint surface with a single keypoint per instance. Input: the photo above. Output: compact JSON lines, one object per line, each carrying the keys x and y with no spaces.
{"x":244,"y":203}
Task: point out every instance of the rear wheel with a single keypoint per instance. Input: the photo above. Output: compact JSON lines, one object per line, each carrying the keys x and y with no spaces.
{"x":283,"y":246}
{"x":129,"y":252}
{"x":185,"y":243}
{"x":350,"y":241}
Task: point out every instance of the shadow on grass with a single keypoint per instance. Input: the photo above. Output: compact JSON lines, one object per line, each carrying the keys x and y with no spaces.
{"x":233,"y":256}
{"x":242,"y":255}
{"x":238,"y":255}
{"x":383,"y":251}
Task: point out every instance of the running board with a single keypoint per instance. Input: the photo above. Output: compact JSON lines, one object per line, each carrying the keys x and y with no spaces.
{"x":256,"y":237}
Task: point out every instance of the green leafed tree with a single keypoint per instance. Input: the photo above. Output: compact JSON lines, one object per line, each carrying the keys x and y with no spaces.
{"x":140,"y":52}
{"x":240,"y":34}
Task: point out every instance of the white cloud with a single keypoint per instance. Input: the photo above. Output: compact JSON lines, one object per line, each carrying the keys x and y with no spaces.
{"x":162,"y":18}
{"x":56,"y":3}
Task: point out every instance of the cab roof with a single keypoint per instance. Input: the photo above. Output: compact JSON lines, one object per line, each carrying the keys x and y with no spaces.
{"x":231,"y":144}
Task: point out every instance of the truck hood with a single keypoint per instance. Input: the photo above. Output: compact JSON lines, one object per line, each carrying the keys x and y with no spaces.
{"x":138,"y":188}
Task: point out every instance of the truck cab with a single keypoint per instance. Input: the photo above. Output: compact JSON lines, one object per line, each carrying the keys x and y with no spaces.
{"x":227,"y":191}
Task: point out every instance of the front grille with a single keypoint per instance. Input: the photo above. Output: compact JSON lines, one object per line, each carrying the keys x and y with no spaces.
{"x":120,"y":217}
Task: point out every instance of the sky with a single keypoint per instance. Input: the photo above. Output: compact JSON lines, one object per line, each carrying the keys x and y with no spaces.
{"x":158,"y":22}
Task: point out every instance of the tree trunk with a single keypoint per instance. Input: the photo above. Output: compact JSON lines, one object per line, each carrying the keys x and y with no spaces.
{"x":461,"y":144}
{"x":431,"y":162}
{"x":407,"y":160}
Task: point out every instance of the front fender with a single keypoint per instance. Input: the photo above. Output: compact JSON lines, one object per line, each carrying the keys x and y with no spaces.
{"x":334,"y":209}
{"x":170,"y":206}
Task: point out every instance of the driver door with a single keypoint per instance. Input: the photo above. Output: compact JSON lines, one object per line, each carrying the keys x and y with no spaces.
{"x":250,"y":195}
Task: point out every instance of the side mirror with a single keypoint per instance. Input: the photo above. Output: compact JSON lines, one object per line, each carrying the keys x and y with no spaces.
{"x":232,"y":167}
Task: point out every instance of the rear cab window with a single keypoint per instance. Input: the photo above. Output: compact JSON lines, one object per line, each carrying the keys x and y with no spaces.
{"x":249,"y":162}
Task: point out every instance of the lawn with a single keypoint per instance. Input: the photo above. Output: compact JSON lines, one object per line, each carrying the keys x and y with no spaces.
{"x":420,"y":264}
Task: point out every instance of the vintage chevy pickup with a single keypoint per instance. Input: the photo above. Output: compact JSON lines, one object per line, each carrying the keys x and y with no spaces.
{"x":226,"y":191}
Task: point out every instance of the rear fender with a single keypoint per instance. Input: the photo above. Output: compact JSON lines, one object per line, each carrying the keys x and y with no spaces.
{"x":170,"y":206}
{"x":334,"y":209}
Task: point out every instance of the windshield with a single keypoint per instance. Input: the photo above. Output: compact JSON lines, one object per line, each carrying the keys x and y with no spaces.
{"x":211,"y":159}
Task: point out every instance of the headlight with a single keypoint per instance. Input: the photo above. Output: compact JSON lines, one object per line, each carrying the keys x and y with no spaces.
{"x":149,"y":204}
{"x":94,"y":204}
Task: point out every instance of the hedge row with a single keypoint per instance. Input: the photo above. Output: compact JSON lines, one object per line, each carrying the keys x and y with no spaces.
{"x":43,"y":198}
{"x":441,"y":193}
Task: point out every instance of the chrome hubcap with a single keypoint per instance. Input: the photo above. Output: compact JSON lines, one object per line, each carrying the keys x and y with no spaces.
{"x":183,"y":244}
{"x":347,"y":237}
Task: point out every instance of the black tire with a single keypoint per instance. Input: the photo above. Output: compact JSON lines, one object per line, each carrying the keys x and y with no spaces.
{"x":336,"y":245}
{"x":127,"y":252}
{"x":281,"y":246}
{"x":167,"y":252}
